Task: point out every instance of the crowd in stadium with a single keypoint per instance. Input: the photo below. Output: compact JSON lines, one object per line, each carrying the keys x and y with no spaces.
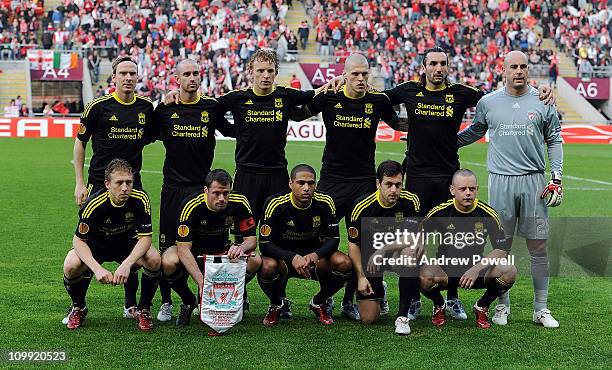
{"x":221,"y":35}
{"x":395,"y":33}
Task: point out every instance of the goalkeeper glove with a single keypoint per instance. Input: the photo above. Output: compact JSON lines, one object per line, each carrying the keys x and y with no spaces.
{"x":553,"y":192}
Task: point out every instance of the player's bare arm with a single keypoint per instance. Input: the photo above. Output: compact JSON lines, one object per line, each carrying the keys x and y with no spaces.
{"x":84,"y":252}
{"x":189,"y":262}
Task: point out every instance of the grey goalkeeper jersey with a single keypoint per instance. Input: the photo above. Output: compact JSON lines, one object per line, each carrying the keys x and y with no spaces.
{"x":519,"y":126}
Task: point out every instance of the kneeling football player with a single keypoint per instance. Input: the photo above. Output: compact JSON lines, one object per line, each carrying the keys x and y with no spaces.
{"x":114,"y":226}
{"x":466,"y":214}
{"x":204,"y":225}
{"x":299,"y":238}
{"x":388,"y":201}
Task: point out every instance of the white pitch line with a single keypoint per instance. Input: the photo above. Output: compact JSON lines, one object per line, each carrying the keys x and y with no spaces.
{"x":564,"y":176}
{"x":588,"y":180}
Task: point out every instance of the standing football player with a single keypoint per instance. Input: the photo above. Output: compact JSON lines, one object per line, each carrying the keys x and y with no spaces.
{"x":521,"y":128}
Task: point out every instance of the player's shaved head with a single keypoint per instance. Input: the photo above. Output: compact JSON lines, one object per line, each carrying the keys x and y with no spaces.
{"x":515,"y":57}
{"x":355,"y":59}
{"x":516,"y":72}
{"x":356,"y":74}
{"x":185,"y":62}
{"x":464,"y":172}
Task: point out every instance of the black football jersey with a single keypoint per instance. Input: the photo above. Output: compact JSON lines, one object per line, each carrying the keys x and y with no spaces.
{"x":188,"y":133}
{"x":407,"y":207}
{"x":434,"y":119}
{"x":295,"y":229}
{"x":117,"y":130}
{"x":481,"y":221}
{"x":103,"y":224}
{"x":208,"y":230}
{"x":261,"y":123}
{"x":351,"y":125}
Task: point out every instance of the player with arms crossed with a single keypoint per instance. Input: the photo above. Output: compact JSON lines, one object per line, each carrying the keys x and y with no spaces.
{"x":299,"y":238}
{"x":187,"y":130}
{"x":117,"y":125}
{"x":114,"y":226}
{"x":520,"y":127}
{"x":389,"y":200}
{"x":204,"y":225}
{"x":466,"y":214}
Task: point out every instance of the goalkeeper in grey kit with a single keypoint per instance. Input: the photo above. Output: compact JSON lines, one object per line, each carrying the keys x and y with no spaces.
{"x":520,"y":128}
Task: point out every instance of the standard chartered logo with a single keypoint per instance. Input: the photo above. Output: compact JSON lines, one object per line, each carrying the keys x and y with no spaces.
{"x":436,"y":110}
{"x":514,"y":129}
{"x":262,"y":116}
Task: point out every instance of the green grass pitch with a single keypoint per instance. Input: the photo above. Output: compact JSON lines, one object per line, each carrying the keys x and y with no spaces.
{"x":39,"y":217}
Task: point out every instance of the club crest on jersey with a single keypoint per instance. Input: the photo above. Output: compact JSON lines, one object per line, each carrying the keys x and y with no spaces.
{"x":183,"y":231}
{"x":353,"y":232}
{"x":531,"y":115}
{"x":479,"y":227}
{"x":82,"y":129}
{"x":316,"y":221}
{"x":141,"y":118}
{"x":449,"y":98}
{"x":129,"y":217}
{"x":278,"y":102}
{"x":204,"y":117}
{"x":265,"y":230}
{"x":399,"y":216}
{"x":369,"y":108}
{"x":162,"y":238}
{"x":229,"y":221}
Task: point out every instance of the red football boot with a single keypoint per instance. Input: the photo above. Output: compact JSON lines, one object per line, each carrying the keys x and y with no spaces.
{"x":76,"y":318}
{"x":145,"y":323}
{"x":273,"y":315}
{"x":482,"y":317}
{"x":438,"y":318}
{"x":321,"y":313}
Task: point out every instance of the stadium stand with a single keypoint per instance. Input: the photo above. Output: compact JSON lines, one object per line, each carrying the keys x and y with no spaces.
{"x":220,"y":34}
{"x":570,"y":36}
